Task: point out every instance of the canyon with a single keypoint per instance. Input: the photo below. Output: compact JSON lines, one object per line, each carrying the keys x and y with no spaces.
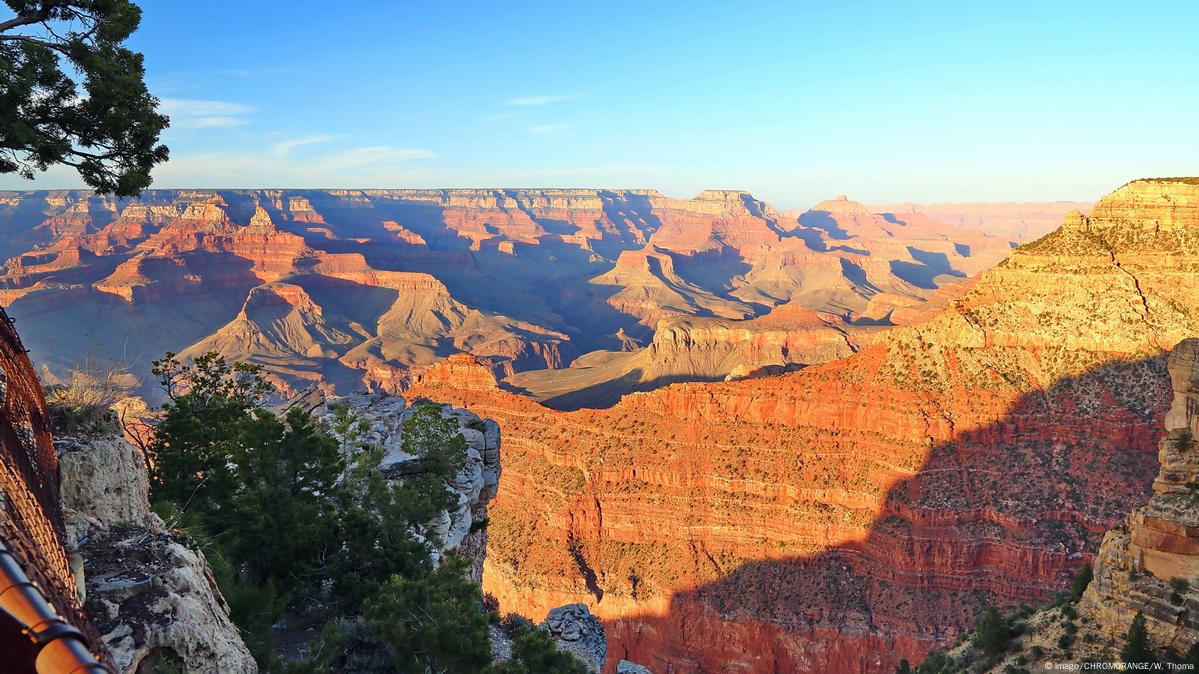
{"x":574,"y":297}
{"x":747,"y":440}
{"x":866,"y":509}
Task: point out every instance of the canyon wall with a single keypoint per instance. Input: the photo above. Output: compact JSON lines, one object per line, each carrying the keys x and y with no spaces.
{"x":1150,"y":564}
{"x":863,"y":510}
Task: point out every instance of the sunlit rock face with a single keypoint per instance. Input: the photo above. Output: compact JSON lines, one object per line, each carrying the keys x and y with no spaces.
{"x":863,"y":510}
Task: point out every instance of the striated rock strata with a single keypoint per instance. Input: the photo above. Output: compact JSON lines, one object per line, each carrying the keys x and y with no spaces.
{"x":1146,"y":565}
{"x":863,"y":510}
{"x":1150,"y":564}
{"x":347,"y":288}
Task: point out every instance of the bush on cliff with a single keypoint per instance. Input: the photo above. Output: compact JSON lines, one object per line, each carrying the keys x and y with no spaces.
{"x":83,"y":402}
{"x":937,"y":662}
{"x":992,"y":634}
{"x":534,"y":652}
{"x":286,"y":525}
{"x":411,"y":617}
{"x":435,"y":438}
{"x":1081,"y":580}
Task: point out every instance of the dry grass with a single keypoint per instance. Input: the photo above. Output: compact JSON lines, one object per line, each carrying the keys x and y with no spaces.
{"x":83,"y":403}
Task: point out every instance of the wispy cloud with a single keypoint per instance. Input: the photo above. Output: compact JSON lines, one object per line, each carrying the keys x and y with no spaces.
{"x":544,"y":100}
{"x":282,"y":148}
{"x":550,"y":129}
{"x":186,"y":113}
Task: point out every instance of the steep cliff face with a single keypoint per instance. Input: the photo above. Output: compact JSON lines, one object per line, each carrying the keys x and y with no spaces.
{"x":1146,"y":564}
{"x":152,"y":597}
{"x":863,"y":510}
{"x":1149,"y":564}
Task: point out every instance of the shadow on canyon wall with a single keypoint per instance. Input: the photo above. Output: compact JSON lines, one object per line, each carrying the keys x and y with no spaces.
{"x":1000,"y":515}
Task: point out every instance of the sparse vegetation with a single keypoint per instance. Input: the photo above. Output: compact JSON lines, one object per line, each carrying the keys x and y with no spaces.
{"x":288,"y":526}
{"x":991,"y":633}
{"x":83,"y":403}
{"x":1183,"y":439}
{"x":1178,"y":587}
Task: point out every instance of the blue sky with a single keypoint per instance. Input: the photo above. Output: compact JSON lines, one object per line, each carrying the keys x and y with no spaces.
{"x":794,"y":101}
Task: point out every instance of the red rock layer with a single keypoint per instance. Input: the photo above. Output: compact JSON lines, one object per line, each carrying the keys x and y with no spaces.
{"x":853,"y":513}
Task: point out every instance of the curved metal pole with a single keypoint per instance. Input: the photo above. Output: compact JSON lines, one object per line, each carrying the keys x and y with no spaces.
{"x":62,"y":649}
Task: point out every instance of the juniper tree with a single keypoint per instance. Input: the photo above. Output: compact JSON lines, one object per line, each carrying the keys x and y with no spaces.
{"x":71,"y":93}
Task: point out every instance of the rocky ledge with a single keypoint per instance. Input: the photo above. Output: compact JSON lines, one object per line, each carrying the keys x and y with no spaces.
{"x":150,"y":596}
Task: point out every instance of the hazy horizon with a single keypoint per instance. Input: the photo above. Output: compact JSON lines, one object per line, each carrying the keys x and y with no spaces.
{"x":535,"y":188}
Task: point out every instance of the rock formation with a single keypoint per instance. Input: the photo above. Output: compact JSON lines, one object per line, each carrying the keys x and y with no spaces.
{"x":151,"y":596}
{"x":579,"y":633}
{"x":697,"y":349}
{"x":862,"y":510}
{"x":351,"y":287}
{"x":476,"y":484}
{"x":1149,"y":564}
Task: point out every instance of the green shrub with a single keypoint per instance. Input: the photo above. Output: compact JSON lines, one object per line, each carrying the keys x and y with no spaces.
{"x":937,"y":662}
{"x":1081,"y":580}
{"x":435,"y":623}
{"x":436,"y":438}
{"x":1136,"y":643}
{"x":534,"y":652}
{"x":991,"y":633}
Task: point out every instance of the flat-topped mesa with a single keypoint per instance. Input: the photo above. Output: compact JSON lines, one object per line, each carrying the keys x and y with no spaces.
{"x":207,"y":213}
{"x":1156,"y":204}
{"x":535,"y":199}
{"x":726,"y":202}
